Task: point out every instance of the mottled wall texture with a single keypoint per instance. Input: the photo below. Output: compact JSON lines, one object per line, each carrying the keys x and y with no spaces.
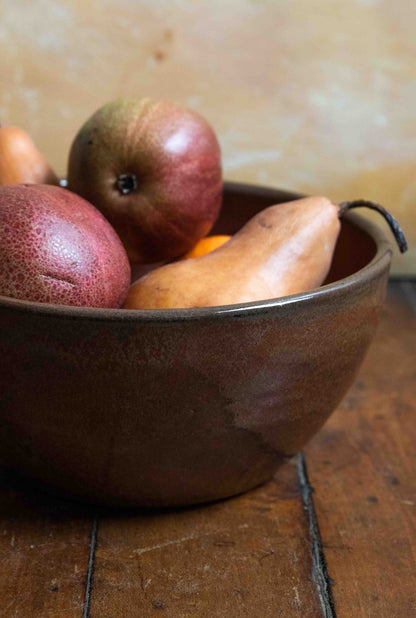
{"x":317,"y":96}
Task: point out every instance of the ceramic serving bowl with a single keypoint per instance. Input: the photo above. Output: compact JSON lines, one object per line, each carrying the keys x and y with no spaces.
{"x":175,"y":407}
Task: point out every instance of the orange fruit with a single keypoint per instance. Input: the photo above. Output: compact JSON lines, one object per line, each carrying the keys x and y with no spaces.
{"x":206,"y":245}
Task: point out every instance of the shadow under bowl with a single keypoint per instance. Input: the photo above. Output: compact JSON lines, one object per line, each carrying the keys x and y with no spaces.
{"x":178,"y":407}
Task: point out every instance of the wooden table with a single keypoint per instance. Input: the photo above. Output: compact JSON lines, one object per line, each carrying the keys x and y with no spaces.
{"x":345,"y":548}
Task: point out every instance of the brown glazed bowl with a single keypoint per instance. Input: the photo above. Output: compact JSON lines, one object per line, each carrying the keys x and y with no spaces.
{"x":176,"y":407}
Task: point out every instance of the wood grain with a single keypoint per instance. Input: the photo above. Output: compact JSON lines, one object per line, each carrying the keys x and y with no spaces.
{"x":363,"y":468}
{"x":244,"y":557}
{"x":44,"y":550}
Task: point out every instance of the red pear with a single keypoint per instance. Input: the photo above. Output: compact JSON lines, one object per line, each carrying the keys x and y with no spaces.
{"x":154,"y":170}
{"x":57,"y":248}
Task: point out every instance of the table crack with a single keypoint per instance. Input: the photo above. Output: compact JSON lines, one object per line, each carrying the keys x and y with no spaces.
{"x":90,"y":571}
{"x":320,"y":573}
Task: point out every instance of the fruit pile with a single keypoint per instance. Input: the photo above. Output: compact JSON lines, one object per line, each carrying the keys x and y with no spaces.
{"x":144,"y":186}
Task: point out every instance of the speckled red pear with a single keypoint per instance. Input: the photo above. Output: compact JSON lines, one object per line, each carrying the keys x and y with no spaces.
{"x":57,"y":248}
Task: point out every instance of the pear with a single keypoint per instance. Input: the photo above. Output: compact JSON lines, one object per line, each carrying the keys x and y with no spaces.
{"x":153,"y":169}
{"x":284,"y":249}
{"x":57,"y":248}
{"x":21,"y":161}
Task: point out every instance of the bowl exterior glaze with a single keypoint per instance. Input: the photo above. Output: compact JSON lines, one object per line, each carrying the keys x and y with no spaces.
{"x":165,"y":408}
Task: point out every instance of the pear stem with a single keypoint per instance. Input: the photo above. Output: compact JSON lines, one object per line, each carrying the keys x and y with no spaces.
{"x":126,"y":183}
{"x":393,"y":224}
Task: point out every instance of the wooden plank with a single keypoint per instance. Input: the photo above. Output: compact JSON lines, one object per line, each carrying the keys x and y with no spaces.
{"x":248,"y":557}
{"x":363,"y":468}
{"x":44,"y":551}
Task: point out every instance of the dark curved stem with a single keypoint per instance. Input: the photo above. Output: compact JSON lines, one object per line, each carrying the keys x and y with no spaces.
{"x":393,"y":224}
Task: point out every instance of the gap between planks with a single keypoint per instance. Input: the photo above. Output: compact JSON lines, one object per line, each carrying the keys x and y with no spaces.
{"x":90,"y":570}
{"x":320,"y":575}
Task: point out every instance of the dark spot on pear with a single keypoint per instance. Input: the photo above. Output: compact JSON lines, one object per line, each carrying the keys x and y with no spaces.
{"x":265,"y":224}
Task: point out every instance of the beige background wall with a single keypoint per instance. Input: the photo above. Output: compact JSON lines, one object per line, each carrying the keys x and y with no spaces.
{"x":311,"y":95}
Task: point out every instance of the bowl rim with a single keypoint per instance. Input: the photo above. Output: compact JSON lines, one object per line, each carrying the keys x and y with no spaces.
{"x":380,"y":261}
